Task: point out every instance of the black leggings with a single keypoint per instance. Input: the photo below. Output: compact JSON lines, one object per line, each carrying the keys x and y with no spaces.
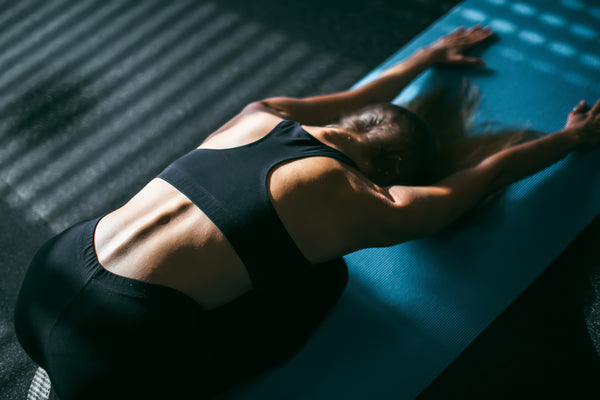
{"x":100,"y":335}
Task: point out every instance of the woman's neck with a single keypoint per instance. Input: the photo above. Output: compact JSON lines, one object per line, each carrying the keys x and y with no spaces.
{"x":348,"y":143}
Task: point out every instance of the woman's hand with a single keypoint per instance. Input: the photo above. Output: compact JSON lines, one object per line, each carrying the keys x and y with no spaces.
{"x":450,"y":48}
{"x":585,"y":124}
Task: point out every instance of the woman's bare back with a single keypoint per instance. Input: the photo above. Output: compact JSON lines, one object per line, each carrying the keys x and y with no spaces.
{"x":160,"y":236}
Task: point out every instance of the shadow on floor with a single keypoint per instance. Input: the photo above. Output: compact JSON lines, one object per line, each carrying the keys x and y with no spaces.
{"x":541,"y":346}
{"x":341,"y":26}
{"x":47,"y":109}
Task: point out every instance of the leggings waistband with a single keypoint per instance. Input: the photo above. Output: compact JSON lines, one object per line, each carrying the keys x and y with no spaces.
{"x":127,"y":286}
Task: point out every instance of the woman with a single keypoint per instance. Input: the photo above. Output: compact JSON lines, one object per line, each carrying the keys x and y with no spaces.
{"x":222,"y":265}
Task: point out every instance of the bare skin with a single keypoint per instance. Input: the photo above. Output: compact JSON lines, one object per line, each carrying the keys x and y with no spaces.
{"x":329,"y":208}
{"x":161,"y":236}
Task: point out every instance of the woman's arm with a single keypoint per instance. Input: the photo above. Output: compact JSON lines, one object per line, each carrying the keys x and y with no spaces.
{"x":424,"y":210}
{"x":324,"y":109}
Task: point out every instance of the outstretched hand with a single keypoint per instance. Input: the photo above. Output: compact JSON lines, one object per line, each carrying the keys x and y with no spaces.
{"x":450,"y":48}
{"x":585,"y":123}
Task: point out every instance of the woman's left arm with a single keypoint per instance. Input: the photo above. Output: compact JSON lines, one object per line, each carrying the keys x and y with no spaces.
{"x":428,"y":209}
{"x":324,"y":109}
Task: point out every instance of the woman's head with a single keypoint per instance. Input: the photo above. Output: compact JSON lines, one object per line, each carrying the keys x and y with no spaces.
{"x":399,"y":146}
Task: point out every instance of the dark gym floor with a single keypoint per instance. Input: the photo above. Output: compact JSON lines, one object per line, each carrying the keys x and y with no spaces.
{"x":98,"y":96}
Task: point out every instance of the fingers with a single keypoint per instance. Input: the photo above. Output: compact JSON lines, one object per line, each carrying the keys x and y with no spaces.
{"x":582,"y":107}
{"x":479,"y":33}
{"x":579,"y":107}
{"x":462,"y":30}
{"x":449,"y":49}
{"x":478,"y":29}
{"x":458,"y":31}
{"x":470,"y":60}
{"x":596,"y":108}
{"x":469,"y":37}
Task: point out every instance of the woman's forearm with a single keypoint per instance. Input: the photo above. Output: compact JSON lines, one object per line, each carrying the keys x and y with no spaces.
{"x":447,"y":50}
{"x":325,"y":109}
{"x":393,"y":80}
{"x":460,"y":191}
{"x":464,"y":189}
{"x":520,"y":161}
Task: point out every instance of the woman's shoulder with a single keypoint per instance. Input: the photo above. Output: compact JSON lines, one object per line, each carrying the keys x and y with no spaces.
{"x":252,"y":123}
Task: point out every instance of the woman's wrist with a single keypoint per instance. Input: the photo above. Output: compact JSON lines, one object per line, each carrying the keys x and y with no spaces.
{"x":427,"y":56}
{"x":412,"y":66}
{"x":572,"y":137}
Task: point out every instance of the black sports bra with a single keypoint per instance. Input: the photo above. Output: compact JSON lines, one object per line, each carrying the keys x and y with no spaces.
{"x":230,"y":187}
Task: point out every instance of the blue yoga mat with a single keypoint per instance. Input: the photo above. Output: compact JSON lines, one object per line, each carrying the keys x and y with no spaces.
{"x":409,"y":310}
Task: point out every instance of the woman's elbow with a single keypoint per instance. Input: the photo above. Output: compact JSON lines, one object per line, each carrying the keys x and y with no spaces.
{"x":276,"y":105}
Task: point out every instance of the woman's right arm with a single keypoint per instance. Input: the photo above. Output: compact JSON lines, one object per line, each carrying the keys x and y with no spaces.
{"x":419,"y":211}
{"x":325,"y":109}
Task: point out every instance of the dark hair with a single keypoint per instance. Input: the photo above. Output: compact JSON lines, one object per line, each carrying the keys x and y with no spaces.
{"x":450,"y":110}
{"x":400,"y":146}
